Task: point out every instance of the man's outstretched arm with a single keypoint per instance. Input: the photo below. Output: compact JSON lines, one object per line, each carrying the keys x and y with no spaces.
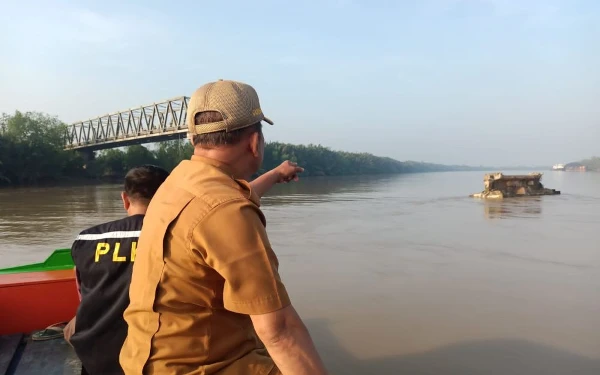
{"x":288,"y":342}
{"x":285,"y":172}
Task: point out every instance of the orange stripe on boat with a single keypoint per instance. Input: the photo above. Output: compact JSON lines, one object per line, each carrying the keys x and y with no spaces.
{"x":34,"y":300}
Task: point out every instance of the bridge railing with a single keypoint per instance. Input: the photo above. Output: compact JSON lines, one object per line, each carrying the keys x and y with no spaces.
{"x":157,"y":119}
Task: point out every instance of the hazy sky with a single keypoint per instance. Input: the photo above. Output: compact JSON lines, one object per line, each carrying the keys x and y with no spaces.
{"x":450,"y":81}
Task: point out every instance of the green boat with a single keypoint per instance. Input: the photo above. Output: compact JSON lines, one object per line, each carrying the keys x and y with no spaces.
{"x":59,"y":260}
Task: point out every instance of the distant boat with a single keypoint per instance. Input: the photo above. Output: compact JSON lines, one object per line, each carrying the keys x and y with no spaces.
{"x":558,"y":167}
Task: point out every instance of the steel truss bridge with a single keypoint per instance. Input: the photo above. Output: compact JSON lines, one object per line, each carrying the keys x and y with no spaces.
{"x":151,"y":123}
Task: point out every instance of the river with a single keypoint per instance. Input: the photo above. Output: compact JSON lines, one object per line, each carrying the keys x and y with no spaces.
{"x":402,"y":274}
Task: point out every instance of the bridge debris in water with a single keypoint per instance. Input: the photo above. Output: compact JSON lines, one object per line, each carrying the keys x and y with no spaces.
{"x":499,"y":186}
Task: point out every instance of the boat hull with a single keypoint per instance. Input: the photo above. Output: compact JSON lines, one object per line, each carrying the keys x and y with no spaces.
{"x":34,"y":300}
{"x":59,"y":260}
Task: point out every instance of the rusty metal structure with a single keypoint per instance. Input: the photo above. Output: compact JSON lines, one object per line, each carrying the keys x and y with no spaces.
{"x":151,"y":123}
{"x":499,"y":185}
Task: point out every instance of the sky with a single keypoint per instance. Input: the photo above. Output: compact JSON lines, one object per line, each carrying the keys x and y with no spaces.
{"x":476,"y":82}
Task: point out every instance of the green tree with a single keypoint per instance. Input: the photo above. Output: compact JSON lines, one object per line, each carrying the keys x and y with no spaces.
{"x":137,"y":155}
{"x":4,"y":159}
{"x":31,"y":151}
{"x":169,"y":154}
{"x":31,"y":148}
{"x":111,"y":163}
{"x":592,"y":164}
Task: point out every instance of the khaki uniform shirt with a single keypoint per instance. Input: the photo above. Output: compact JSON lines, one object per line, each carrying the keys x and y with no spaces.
{"x":203,"y":265}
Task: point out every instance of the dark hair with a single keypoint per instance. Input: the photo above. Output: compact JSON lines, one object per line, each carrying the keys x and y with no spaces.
{"x":141,"y":183}
{"x":220,"y":138}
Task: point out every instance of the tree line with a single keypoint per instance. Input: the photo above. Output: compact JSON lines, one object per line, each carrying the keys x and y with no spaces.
{"x":31,"y":152}
{"x":591,"y":164}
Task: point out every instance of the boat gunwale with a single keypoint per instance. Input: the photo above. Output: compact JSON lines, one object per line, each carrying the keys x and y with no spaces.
{"x":42,"y":277}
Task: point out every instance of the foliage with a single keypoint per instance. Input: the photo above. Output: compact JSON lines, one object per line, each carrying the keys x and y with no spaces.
{"x":31,"y":149}
{"x":169,"y":154}
{"x":592,"y":164}
{"x":318,"y":160}
{"x":31,"y":152}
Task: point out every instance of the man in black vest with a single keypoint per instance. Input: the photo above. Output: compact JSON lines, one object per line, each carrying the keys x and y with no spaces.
{"x":104,"y":256}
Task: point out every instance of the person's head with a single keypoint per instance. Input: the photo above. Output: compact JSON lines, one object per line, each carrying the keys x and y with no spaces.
{"x":141,"y":183}
{"x":225,"y":123}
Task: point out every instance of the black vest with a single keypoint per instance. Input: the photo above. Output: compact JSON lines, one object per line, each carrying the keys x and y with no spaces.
{"x":103,"y":257}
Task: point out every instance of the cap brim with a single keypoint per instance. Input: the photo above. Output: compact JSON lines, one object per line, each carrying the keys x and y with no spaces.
{"x":268,"y":120}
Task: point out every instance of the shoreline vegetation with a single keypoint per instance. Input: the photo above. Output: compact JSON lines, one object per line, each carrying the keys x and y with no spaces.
{"x":591,"y":165}
{"x":31,"y":154}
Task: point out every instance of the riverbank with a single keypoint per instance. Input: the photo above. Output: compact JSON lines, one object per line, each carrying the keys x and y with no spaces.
{"x":111,"y":180}
{"x":68,"y":182}
{"x":31,"y":154}
{"x":114,"y":179}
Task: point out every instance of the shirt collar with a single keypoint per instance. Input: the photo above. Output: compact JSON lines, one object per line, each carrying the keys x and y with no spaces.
{"x":215,"y":163}
{"x":226,"y":168}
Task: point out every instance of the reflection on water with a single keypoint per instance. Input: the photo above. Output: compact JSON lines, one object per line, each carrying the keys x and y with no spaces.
{"x":402,"y":274}
{"x":324,"y":189}
{"x":521,"y":207}
{"x":482,"y":357}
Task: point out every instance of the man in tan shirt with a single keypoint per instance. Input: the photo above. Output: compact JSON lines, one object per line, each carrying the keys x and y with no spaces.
{"x":206,"y":296}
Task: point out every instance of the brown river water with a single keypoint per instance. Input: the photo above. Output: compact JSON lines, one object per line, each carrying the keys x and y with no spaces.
{"x":402,"y":274}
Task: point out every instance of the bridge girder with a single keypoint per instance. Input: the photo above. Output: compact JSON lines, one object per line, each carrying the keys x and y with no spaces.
{"x":151,"y":123}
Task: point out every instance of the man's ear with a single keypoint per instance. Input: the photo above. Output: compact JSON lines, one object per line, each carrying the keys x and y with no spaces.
{"x":126,"y":201}
{"x":255,"y":144}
